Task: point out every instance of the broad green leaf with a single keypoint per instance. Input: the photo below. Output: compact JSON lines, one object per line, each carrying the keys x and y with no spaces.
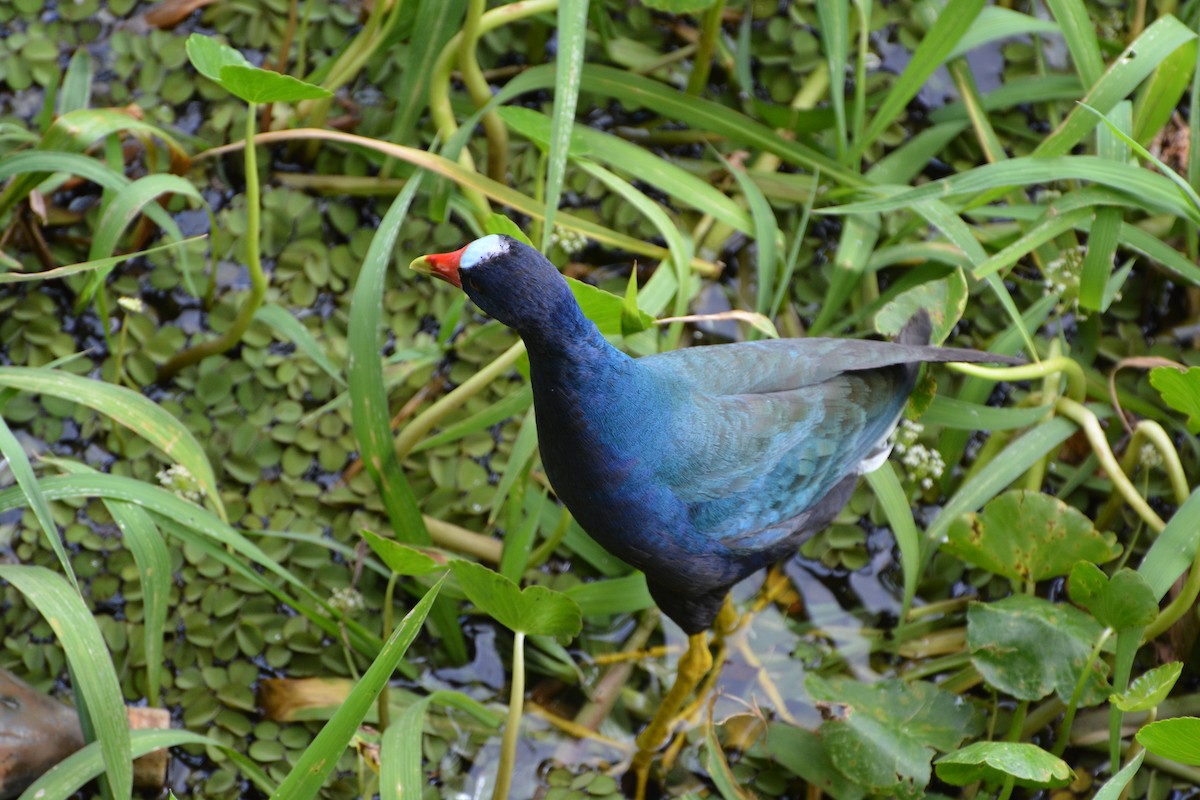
{"x":1177,"y":738}
{"x":1180,"y":389}
{"x":536,"y":610}
{"x":1149,"y":689}
{"x":884,"y":735}
{"x":209,"y":56}
{"x":256,"y":85}
{"x":799,"y":751}
{"x":995,"y":762}
{"x":321,"y":757}
{"x":944,"y":300}
{"x":606,"y":309}
{"x":1028,"y":647}
{"x":96,"y":688}
{"x":1124,"y":602}
{"x":622,"y":595}
{"x":400,"y":558}
{"x":136,"y":412}
{"x":1028,"y":536}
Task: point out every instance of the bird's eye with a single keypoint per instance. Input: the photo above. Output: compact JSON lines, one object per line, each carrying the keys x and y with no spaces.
{"x":474,"y":284}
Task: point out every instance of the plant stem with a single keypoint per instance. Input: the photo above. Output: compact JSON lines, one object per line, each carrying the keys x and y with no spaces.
{"x":258,"y":280}
{"x":711,"y":29}
{"x":1086,"y":419}
{"x":1076,"y":380}
{"x":388,"y":600}
{"x":477,"y":86}
{"x":414,"y":431}
{"x":512,"y":728}
{"x":1064,"y":729}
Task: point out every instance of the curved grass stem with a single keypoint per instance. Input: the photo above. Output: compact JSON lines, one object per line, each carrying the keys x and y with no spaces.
{"x":1090,"y":423}
{"x":258,"y":279}
{"x":1076,"y":380}
{"x":477,"y":86}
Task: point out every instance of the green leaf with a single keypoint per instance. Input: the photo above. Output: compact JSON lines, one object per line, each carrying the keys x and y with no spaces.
{"x":1180,"y":389}
{"x":606,"y":309}
{"x":97,"y":690}
{"x":498,"y":223}
{"x":1122,"y":603}
{"x":1114,"y":787}
{"x":571,"y":36}
{"x":536,"y":610}
{"x":944,"y":300}
{"x":1149,"y":689}
{"x":400,"y":558}
{"x":1028,"y":647}
{"x":1177,"y":739}
{"x":1028,"y":536}
{"x":994,"y":762}
{"x":883,"y":735}
{"x":799,"y":751}
{"x":256,"y":85}
{"x":321,"y":757}
{"x":209,"y":56}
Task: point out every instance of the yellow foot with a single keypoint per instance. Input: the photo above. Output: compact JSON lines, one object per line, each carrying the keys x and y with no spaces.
{"x":693,"y":666}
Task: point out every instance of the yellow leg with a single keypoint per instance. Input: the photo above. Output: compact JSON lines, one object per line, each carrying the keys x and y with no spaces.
{"x":693,"y":666}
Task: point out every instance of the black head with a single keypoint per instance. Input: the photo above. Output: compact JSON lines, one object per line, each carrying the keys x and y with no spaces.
{"x":508,"y":279}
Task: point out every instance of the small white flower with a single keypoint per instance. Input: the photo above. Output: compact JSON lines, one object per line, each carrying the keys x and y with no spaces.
{"x":571,"y":242}
{"x":923,"y":465}
{"x":347,"y":600}
{"x":1149,"y":457}
{"x":183,"y":483}
{"x":133,"y":304}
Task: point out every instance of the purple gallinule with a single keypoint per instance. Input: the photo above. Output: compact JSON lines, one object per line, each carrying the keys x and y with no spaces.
{"x":697,"y":466}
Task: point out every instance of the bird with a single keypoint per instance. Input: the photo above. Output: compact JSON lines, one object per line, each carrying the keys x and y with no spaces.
{"x":702,"y":465}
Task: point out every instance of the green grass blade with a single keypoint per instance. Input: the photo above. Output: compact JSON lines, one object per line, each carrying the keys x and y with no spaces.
{"x":509,"y":406}
{"x":96,"y":688}
{"x":434,"y":25}
{"x":140,"y":414}
{"x":72,"y":773}
{"x":953,"y":412}
{"x":1133,"y":66}
{"x":290,"y":328}
{"x":833,"y":17}
{"x":623,"y":595}
{"x":894,"y":502}
{"x":76,"y":92}
{"x":997,"y":22}
{"x":1174,"y":551}
{"x":87,"y":266}
{"x":364,"y":368}
{"x":572,"y":40}
{"x":1079,"y":32}
{"x":18,"y":462}
{"x":1009,"y":465}
{"x":400,"y":753}
{"x":320,"y":758}
{"x":939,"y":41}
{"x":766,"y":237}
{"x":1097,"y":264}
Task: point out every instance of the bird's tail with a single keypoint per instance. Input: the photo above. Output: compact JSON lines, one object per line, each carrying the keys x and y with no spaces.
{"x":917,"y":330}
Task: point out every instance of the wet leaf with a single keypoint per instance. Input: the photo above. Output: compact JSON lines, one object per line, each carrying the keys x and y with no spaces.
{"x":1148,"y":689}
{"x":1122,"y":602}
{"x":993,"y":762}
{"x":1028,"y":536}
{"x":536,"y":610}
{"x":400,"y":558}
{"x":1177,"y":739}
{"x":1180,"y":389}
{"x":884,"y":735}
{"x":1029,"y":647}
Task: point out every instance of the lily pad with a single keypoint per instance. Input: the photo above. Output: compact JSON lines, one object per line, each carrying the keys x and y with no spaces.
{"x":1148,"y":689}
{"x":1180,"y":389}
{"x":1028,"y":647}
{"x":535,"y":610}
{"x":1122,"y":602}
{"x":883,"y":736}
{"x":994,"y":762}
{"x":1029,"y":536}
{"x":1177,"y":738}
